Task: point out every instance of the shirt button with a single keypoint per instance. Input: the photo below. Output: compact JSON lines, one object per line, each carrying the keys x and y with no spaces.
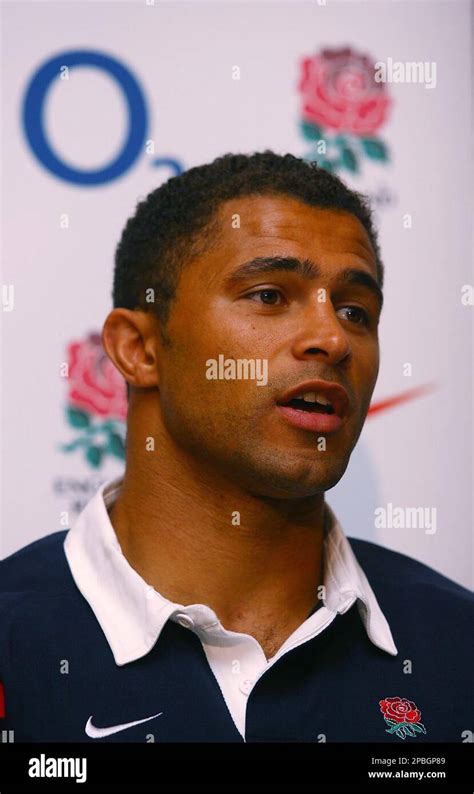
{"x":246,"y":685}
{"x":185,"y":621}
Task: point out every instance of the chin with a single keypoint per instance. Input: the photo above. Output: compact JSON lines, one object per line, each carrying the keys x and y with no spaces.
{"x":296,"y":481}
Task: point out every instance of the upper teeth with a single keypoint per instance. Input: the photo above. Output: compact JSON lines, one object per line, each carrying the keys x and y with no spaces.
{"x":313,"y":397}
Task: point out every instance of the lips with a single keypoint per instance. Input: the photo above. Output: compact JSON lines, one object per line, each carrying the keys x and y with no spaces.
{"x":310,"y":415}
{"x":336,"y":395}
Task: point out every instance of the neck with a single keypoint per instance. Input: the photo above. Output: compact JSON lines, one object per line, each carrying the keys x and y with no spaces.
{"x":197,"y":538}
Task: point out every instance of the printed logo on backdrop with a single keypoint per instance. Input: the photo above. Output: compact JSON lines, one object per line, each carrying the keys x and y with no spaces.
{"x":97,"y":403}
{"x":343,"y":111}
{"x":62,"y":67}
{"x":95,"y":414}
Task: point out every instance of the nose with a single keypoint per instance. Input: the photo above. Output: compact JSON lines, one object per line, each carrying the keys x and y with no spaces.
{"x":320,"y":334}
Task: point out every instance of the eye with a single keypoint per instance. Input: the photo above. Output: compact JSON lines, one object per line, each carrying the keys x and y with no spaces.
{"x":269,"y":297}
{"x":357,"y":315}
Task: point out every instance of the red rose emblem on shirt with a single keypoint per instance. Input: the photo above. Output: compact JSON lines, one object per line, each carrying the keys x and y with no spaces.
{"x":339,"y":91}
{"x":402,"y":715}
{"x":400,"y":710}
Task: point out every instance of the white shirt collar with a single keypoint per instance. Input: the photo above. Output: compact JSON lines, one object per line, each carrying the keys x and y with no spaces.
{"x":132,"y":614}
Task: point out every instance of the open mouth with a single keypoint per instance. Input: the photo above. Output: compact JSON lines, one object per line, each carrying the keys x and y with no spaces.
{"x":319,"y":406}
{"x":311,"y":402}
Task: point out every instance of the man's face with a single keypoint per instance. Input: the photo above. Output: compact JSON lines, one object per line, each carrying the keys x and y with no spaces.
{"x":307,"y":327}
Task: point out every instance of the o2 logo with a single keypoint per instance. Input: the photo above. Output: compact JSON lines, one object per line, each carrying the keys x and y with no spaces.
{"x":33,"y":117}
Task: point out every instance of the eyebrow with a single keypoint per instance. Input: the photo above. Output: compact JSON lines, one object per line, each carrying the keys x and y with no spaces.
{"x":305,"y":268}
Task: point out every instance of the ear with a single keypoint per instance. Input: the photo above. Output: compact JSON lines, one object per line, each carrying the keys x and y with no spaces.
{"x":131,"y":340}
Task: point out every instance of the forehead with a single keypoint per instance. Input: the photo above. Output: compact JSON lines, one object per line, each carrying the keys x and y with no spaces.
{"x":281,"y":225}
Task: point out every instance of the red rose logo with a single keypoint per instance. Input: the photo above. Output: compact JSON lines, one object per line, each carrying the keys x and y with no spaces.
{"x":400,"y":710}
{"x":402,"y":715}
{"x":97,"y":404}
{"x":339,"y":91}
{"x":94,"y":383}
{"x":342,"y":109}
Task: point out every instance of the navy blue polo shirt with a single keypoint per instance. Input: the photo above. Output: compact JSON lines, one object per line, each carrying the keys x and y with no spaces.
{"x":57,"y":668}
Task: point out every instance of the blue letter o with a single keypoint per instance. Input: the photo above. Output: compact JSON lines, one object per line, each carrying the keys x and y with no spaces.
{"x":33,"y":117}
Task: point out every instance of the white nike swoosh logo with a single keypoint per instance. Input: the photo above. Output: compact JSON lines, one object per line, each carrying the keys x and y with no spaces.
{"x":97,"y":733}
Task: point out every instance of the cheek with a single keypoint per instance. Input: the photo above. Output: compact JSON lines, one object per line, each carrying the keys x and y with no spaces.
{"x":366,"y":360}
{"x":194,"y":387}
{"x":365,"y":368}
{"x":369,"y":374}
{"x":232,"y":329}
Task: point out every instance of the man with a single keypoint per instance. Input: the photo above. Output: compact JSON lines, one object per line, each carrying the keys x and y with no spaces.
{"x":210,"y":594}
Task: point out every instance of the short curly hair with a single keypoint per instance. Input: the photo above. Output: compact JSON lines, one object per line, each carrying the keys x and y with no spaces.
{"x":178,"y":220}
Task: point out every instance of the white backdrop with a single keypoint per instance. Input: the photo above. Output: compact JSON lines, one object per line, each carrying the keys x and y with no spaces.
{"x":59,"y":236}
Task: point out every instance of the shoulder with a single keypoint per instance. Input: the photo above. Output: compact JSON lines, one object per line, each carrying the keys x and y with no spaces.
{"x":39,"y":598}
{"x":390,"y":571}
{"x":39,"y":567}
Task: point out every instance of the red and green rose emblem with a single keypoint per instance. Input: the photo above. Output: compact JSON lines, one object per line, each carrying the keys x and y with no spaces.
{"x":97,"y":402}
{"x":344,"y":107}
{"x":402,"y":716}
